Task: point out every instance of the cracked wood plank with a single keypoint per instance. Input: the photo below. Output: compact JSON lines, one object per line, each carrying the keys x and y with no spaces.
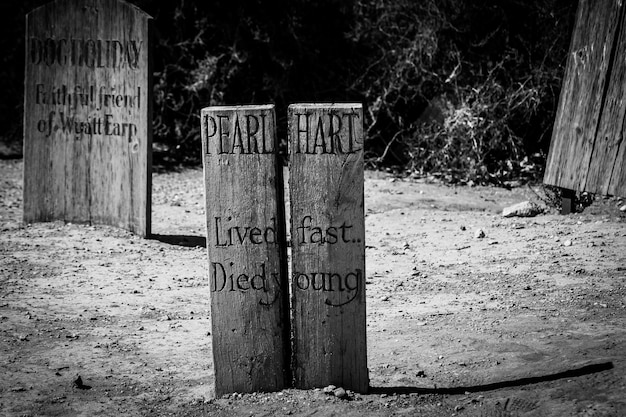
{"x":328,"y":245}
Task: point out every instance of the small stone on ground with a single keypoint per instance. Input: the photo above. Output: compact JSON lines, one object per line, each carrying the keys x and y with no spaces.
{"x":523,"y":209}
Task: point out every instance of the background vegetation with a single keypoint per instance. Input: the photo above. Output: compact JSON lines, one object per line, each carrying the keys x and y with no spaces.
{"x":465,"y":90}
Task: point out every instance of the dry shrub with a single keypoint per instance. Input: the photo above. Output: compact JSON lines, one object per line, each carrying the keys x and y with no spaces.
{"x":491,"y":69}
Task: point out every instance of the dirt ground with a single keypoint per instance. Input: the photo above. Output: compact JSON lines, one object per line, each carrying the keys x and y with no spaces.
{"x":529,"y":320}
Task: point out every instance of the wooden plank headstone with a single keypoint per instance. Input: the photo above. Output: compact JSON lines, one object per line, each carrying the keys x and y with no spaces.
{"x":607,"y":171}
{"x":587,"y":147}
{"x":87,"y":114}
{"x":246,"y":249}
{"x":328,"y":245}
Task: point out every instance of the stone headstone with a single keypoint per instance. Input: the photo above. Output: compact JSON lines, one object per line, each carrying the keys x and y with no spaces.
{"x":328,"y":246}
{"x":87,"y":114}
{"x":246,"y":249}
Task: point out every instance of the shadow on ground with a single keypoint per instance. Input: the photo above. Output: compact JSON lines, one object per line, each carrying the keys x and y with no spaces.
{"x":181,"y":240}
{"x":570,"y":373}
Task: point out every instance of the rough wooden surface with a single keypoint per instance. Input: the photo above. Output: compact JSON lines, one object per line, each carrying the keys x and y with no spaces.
{"x":606,"y":169}
{"x":328,"y":246}
{"x":587,"y":151}
{"x":87,"y":114}
{"x":246,"y":249}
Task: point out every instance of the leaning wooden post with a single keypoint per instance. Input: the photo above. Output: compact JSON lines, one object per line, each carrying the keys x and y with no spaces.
{"x":88,"y":114}
{"x":246,"y":249}
{"x":328,"y":245}
{"x":568,"y":201}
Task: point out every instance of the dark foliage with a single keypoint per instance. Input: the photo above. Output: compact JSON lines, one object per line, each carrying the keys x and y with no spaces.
{"x":463,"y":89}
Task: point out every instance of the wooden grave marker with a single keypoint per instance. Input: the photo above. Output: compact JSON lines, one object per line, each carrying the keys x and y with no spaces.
{"x":246,"y":249}
{"x":588,"y":150}
{"x":328,"y":246}
{"x":87,"y":114}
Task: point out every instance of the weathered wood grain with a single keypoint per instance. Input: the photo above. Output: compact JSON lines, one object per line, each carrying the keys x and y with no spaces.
{"x":606,"y":161}
{"x":585,"y":152}
{"x":328,"y":245}
{"x":617,"y":186}
{"x":582,"y":94}
{"x":246,"y":249}
{"x":87,"y":114}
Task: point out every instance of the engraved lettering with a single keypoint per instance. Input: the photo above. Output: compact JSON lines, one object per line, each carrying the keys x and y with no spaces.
{"x":234,"y":235}
{"x":300,"y":130}
{"x":223,"y":278}
{"x":341,"y":289}
{"x":332,"y":133}
{"x":91,"y":53}
{"x":239,"y":136}
{"x":308,"y":233}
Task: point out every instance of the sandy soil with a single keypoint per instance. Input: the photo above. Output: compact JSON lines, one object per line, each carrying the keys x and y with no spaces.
{"x":528,"y":321}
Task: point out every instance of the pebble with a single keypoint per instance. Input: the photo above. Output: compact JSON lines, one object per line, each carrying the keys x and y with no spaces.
{"x":329,"y":389}
{"x":567,"y":243}
{"x":340,"y":393}
{"x":479,"y":234}
{"x":623,"y":208}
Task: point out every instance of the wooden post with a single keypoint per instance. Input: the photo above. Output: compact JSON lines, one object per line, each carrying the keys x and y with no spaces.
{"x":588,"y":149}
{"x":246,"y":249}
{"x":568,"y":201}
{"x":87,"y":114}
{"x":328,"y":246}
